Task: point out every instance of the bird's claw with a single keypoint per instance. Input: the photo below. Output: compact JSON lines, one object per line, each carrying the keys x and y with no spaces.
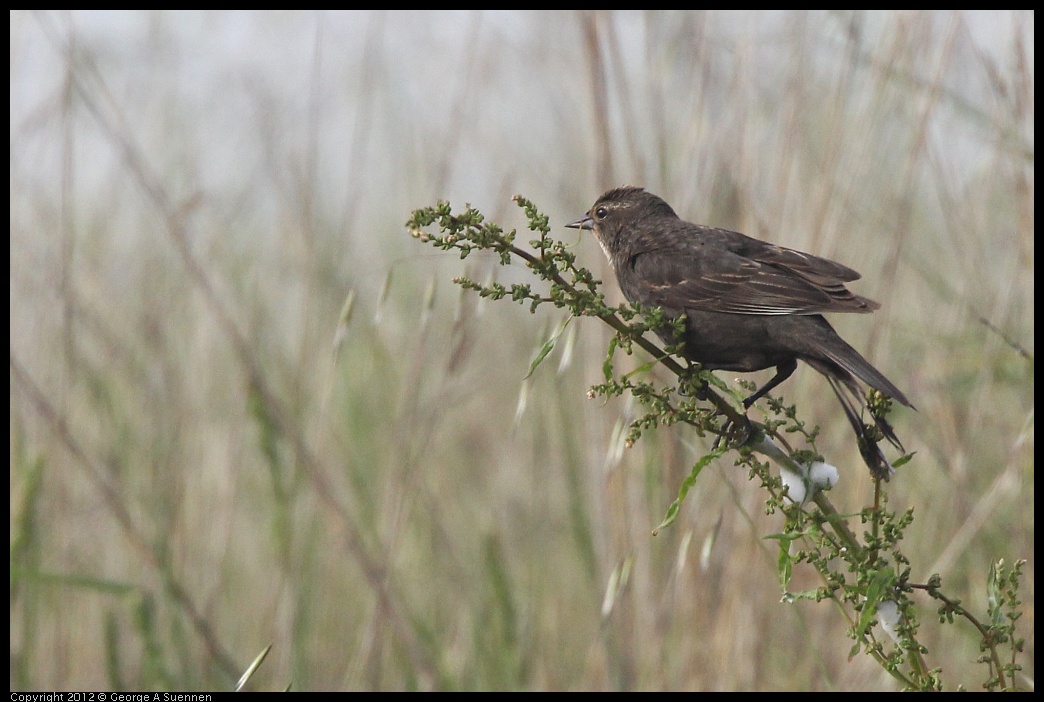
{"x":734,"y":434}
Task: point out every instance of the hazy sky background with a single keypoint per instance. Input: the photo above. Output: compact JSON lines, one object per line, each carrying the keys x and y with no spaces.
{"x":380,"y":93}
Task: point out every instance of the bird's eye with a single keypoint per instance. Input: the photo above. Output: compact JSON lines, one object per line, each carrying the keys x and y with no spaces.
{"x":601,"y":212}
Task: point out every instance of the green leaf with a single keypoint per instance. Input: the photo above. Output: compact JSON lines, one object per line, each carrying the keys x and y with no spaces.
{"x":879,"y":585}
{"x":546,"y":348}
{"x":994,"y":593}
{"x":672,"y":511}
{"x":607,"y":365}
{"x":810,"y":595}
{"x":784,"y":563}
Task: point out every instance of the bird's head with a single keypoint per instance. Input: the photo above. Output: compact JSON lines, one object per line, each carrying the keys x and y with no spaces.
{"x":618,"y":211}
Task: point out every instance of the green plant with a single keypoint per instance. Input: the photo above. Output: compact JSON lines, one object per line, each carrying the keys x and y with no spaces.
{"x":867,"y":576}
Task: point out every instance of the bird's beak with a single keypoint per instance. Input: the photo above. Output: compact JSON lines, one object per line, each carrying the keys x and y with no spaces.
{"x":584,"y":222}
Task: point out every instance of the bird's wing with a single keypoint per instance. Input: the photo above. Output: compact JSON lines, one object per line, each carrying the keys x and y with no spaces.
{"x":739,"y":275}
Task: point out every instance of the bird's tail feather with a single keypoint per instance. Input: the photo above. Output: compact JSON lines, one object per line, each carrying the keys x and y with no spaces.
{"x":852,"y":361}
{"x":871,"y":453}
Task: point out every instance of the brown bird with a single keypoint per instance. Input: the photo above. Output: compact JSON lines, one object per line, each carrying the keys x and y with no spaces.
{"x":748,"y":304}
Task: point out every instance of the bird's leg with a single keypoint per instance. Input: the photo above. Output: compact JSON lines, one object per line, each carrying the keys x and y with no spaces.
{"x":783,"y":371}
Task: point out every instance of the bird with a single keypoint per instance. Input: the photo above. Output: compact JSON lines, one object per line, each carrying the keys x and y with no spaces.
{"x":748,"y":305}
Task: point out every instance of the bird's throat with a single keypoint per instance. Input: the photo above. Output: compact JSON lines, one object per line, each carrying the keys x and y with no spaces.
{"x":605,"y":250}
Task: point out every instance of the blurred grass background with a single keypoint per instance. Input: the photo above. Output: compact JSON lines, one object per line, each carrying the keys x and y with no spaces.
{"x":196,"y":473}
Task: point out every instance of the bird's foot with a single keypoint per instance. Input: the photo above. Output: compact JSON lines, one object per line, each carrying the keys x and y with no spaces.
{"x":733,"y":434}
